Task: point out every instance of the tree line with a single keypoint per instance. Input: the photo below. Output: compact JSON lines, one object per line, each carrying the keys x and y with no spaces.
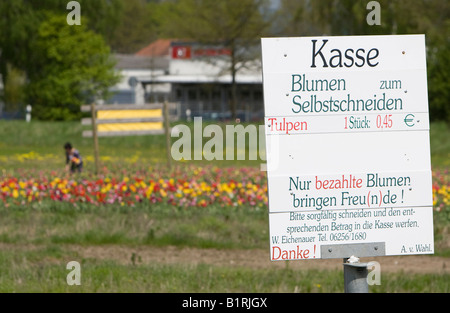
{"x":57,"y":67}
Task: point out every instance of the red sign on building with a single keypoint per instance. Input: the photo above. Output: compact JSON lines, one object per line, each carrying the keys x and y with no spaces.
{"x":181,"y":52}
{"x":187,"y":52}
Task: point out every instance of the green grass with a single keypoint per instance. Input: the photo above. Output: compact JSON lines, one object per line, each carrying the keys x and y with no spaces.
{"x":45,"y":271}
{"x":49,"y":137}
{"x":46,"y":140}
{"x":158,"y":225}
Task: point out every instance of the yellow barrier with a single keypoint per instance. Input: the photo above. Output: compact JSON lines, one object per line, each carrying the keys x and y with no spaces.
{"x":126,"y":120}
{"x":123,"y":120}
{"x":129,"y":126}
{"x":123,"y":114}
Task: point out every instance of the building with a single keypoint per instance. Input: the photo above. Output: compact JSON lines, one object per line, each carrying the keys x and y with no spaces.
{"x":194,"y":76}
{"x":132,"y":67}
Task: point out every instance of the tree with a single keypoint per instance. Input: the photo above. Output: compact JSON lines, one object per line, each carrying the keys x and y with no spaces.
{"x":101,"y":16}
{"x":19,"y":23}
{"x":13,"y":93}
{"x":70,"y":66}
{"x":236,"y":25}
{"x":17,"y":26}
{"x":136,"y":28}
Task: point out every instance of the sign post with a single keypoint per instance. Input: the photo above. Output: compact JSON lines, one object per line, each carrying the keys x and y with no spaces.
{"x":355,"y":277}
{"x":348,"y":153}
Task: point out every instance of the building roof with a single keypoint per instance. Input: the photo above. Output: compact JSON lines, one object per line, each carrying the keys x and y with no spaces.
{"x":158,"y":48}
{"x":135,"y":62}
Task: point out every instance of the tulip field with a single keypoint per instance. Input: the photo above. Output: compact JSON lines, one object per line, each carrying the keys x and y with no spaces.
{"x":128,"y":224}
{"x":186,"y":187}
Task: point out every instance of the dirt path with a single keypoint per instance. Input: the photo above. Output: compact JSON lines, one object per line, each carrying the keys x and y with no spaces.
{"x":252,"y":258}
{"x":255,"y":258}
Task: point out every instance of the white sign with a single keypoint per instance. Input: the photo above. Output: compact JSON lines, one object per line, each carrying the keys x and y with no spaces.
{"x":347,"y":138}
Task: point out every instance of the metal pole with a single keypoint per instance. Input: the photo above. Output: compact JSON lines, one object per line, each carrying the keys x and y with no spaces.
{"x":355,"y":277}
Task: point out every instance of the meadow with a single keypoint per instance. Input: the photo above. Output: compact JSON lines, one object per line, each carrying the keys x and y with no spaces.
{"x":135,"y":203}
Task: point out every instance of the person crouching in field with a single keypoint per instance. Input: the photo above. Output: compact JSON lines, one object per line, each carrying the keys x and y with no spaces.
{"x":74,"y":162}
